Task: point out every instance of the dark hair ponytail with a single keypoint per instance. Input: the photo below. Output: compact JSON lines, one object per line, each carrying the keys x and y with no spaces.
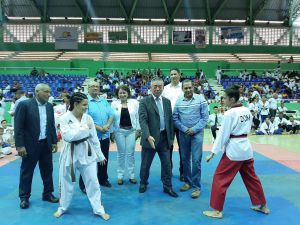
{"x":233,"y":92}
{"x":76,"y":97}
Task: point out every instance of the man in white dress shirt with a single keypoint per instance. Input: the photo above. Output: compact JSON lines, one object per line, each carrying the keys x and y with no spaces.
{"x":172,"y":92}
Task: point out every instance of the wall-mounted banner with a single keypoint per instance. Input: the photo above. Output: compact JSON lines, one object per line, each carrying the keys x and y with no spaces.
{"x":232,"y":33}
{"x":93,"y":36}
{"x":66,"y":38}
{"x":115,"y":36}
{"x":200,"y":39}
{"x":182,"y":37}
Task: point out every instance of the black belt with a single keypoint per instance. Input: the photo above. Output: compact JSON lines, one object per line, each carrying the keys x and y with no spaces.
{"x":238,"y":136}
{"x":73,"y":143}
{"x":42,"y":140}
{"x":126,"y":127}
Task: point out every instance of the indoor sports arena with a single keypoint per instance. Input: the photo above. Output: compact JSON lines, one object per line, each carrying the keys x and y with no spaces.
{"x":142,"y":112}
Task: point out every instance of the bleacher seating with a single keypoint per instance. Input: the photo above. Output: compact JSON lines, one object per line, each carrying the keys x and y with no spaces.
{"x":229,"y":81}
{"x":57,"y":82}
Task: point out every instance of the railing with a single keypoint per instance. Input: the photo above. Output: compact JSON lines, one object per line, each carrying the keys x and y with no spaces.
{"x":152,"y":35}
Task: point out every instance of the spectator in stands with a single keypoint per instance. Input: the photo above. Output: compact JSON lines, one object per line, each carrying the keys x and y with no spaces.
{"x":19,"y":96}
{"x":61,"y":109}
{"x":81,"y":151}
{"x":5,"y":146}
{"x":217,"y":97}
{"x":29,"y":95}
{"x":253,"y":75}
{"x":264,"y":109}
{"x":266,"y":128}
{"x":190,"y":117}
{"x":2,"y":107}
{"x":214,"y":121}
{"x":6,"y":89}
{"x":273,"y":105}
{"x":78,"y":88}
{"x":102,"y":114}
{"x":8,"y":132}
{"x":254,"y":106}
{"x":219,"y":75}
{"x":255,"y":121}
{"x":172,"y":92}
{"x":99,"y":74}
{"x":281,"y":121}
{"x":282,"y":108}
{"x":291,"y":59}
{"x":16,"y":86}
{"x":126,"y":131}
{"x":277,"y":129}
{"x":293,"y":126}
{"x":34,"y":72}
{"x":243,"y":98}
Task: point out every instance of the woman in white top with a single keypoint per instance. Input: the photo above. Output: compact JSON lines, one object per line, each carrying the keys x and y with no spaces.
{"x":126,"y":131}
{"x":264,"y":109}
{"x":237,"y":157}
{"x":81,"y":151}
{"x":254,"y":105}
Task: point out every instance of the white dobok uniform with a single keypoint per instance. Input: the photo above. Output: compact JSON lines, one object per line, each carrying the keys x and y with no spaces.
{"x":237,"y":157}
{"x":86,"y":154}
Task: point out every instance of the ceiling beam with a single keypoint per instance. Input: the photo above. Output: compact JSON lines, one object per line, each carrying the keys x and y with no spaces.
{"x":83,"y":11}
{"x":79,"y":7}
{"x":43,"y":11}
{"x":123,"y":10}
{"x":39,"y":9}
{"x":260,"y":9}
{"x":221,"y":5}
{"x":250,"y":13}
{"x":175,"y":10}
{"x":293,"y":11}
{"x":132,"y":9}
{"x":1,"y":12}
{"x":208,"y":13}
{"x":46,"y":18}
{"x":166,"y":10}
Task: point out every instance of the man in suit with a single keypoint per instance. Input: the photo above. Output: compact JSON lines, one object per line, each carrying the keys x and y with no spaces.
{"x":36,"y":140}
{"x":155,"y":116}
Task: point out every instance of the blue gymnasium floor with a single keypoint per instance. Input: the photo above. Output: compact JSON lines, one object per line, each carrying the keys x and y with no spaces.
{"x":127,"y":206}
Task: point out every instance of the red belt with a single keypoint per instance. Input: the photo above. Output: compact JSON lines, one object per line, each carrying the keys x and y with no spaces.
{"x":238,"y":136}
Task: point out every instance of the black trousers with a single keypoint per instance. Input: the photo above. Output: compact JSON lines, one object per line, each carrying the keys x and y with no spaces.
{"x":272,"y":112}
{"x":42,"y":155}
{"x":164,"y":155}
{"x":214,"y":131}
{"x":102,"y":170}
{"x":176,"y":132}
{"x":292,"y":128}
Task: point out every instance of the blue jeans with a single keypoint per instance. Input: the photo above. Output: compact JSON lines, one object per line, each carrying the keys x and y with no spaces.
{"x":191,"y":146}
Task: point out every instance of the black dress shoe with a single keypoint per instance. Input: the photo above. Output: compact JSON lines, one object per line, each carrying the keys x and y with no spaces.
{"x":143,"y":188}
{"x":24,"y":204}
{"x":106,"y":184}
{"x":83,"y":191}
{"x":170,"y":192}
{"x":50,"y":198}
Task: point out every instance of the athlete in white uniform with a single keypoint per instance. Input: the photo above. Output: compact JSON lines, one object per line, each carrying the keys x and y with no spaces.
{"x":238,"y":157}
{"x":81,"y":151}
